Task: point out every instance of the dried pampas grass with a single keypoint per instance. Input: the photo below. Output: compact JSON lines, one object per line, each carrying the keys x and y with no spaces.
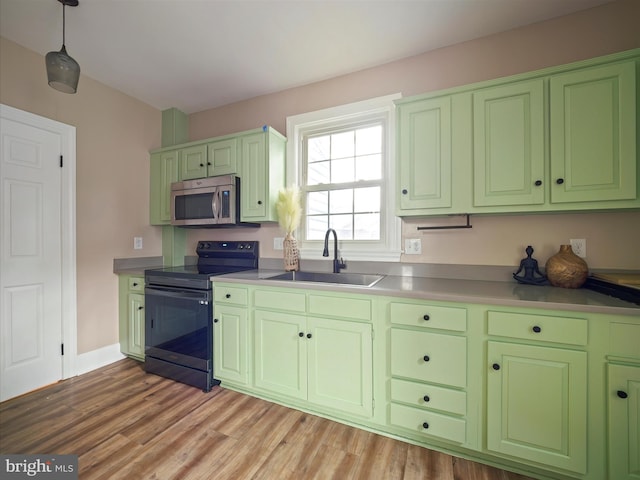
{"x":288,"y":208}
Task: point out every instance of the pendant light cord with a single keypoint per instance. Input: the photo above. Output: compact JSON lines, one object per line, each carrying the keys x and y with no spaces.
{"x":63,"y":24}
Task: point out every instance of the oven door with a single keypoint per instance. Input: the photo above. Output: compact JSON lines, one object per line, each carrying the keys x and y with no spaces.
{"x":179,"y":326}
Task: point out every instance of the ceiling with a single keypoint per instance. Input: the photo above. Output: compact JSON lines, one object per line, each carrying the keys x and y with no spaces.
{"x":200,"y":54}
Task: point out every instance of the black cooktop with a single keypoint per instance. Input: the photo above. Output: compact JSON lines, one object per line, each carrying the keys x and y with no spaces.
{"x":214,"y":258}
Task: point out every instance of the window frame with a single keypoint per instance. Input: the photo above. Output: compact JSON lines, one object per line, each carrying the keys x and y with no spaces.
{"x":388,"y":249}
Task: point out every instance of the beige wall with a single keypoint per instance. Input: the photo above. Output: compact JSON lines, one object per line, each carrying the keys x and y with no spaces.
{"x":612,"y":238}
{"x":114,"y":134}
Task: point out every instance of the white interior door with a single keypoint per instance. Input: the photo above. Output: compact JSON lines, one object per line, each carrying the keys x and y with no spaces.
{"x":31,"y":296}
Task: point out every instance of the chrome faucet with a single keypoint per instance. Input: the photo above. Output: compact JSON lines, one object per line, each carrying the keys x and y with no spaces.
{"x":337,"y":264}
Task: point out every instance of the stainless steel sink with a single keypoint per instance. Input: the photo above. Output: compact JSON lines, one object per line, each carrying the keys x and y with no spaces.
{"x":354,"y":279}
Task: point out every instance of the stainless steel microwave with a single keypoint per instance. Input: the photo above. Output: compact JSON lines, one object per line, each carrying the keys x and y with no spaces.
{"x":207,"y":202}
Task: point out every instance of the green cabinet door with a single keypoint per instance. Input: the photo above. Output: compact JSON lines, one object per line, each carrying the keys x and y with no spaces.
{"x":131,"y":315}
{"x":136,"y":324}
{"x":593,"y":134}
{"x":508,"y":144}
{"x":253,"y":183}
{"x":424,"y":154}
{"x":164,"y":171}
{"x":281,"y":353}
{"x":340,"y":365}
{"x":193,"y":162}
{"x":623,"y":396}
{"x":222,"y":157}
{"x":537,"y":404}
{"x":230,"y":344}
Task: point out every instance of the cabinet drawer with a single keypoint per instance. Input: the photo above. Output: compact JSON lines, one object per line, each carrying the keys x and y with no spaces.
{"x":136,"y":284}
{"x":429,"y":396}
{"x":429,"y":423}
{"x":280,"y":300}
{"x":429,"y":357}
{"x":624,"y":340}
{"x":423,"y":315}
{"x":351,"y":308}
{"x":538,"y":327}
{"x":230,"y":295}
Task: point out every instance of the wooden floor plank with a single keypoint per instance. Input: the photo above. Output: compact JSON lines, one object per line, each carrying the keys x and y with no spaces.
{"x":125,"y":424}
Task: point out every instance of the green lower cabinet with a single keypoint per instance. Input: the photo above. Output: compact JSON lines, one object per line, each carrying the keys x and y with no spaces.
{"x":281,"y":353}
{"x":340,"y":365}
{"x":624,"y":421}
{"x":131,"y":316}
{"x":327,"y":362}
{"x":537,"y":405}
{"x":230,"y":344}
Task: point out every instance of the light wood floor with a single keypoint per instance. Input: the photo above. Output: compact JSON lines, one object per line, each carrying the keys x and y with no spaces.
{"x":125,"y":424}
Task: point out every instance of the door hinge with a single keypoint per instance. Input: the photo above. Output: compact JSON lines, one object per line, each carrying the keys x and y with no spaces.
{"x":62,"y":349}
{"x":61,"y":158}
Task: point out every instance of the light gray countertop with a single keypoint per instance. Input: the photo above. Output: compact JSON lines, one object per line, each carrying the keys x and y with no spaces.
{"x":507,"y":293}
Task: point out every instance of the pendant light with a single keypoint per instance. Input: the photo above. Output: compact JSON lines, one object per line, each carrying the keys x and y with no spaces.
{"x":63,"y":71}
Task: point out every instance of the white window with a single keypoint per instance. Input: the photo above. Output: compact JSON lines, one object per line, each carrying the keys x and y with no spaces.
{"x":342,"y":160}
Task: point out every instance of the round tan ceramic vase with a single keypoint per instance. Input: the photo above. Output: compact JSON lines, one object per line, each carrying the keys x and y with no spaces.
{"x":566,"y":269}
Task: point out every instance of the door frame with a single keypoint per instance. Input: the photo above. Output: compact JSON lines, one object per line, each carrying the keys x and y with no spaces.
{"x":68,"y":228}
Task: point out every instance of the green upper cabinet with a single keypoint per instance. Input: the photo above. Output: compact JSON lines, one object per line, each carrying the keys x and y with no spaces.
{"x":508,"y":144}
{"x":256,"y":156}
{"x":424,"y":132}
{"x":207,"y":160}
{"x":593,"y":134}
{"x":193,"y":162}
{"x":262,"y":167}
{"x":222,"y":157}
{"x":555,"y":140}
{"x":164,"y":171}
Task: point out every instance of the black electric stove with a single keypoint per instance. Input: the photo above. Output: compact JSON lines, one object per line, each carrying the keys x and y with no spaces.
{"x":179,"y":311}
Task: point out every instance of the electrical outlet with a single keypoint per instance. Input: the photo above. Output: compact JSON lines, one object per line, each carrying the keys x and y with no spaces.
{"x":579,"y":246}
{"x":278,"y":243}
{"x":413,"y":246}
{"x":137,"y":243}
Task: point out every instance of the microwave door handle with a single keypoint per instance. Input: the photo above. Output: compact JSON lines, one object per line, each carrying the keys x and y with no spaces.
{"x":214,"y":204}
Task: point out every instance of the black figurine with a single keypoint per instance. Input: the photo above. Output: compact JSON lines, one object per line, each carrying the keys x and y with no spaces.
{"x":532,"y":275}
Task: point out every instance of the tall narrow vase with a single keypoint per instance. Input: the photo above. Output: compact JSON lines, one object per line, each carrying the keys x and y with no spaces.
{"x":291,"y":253}
{"x":566,"y":269}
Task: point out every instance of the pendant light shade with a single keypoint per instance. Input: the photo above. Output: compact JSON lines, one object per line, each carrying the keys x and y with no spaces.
{"x":63,"y":72}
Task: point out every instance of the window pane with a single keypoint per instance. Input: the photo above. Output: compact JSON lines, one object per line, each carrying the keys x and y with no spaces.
{"x":341,"y":201}
{"x":342,"y":145}
{"x":369,"y":140}
{"x":366,"y":199}
{"x":317,"y":203}
{"x":342,"y":170}
{"x":366,"y":226}
{"x":317,"y":227}
{"x":343,"y":226}
{"x":318,"y":173}
{"x":369,"y":167}
{"x":318,"y":148}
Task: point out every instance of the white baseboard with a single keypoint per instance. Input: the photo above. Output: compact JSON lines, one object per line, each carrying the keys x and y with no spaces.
{"x":86,"y":362}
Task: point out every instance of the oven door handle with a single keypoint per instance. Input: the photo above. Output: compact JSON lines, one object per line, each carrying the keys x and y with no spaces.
{"x":203,"y":297}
